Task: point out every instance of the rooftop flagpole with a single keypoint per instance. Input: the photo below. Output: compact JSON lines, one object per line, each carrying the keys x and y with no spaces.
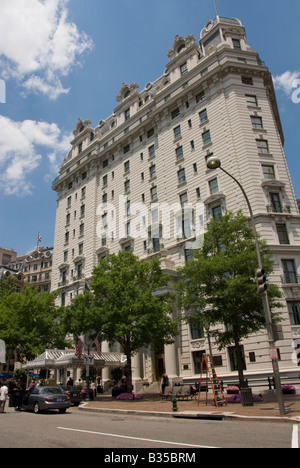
{"x":216,"y":10}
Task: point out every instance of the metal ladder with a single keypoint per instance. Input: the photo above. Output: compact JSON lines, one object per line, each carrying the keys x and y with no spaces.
{"x":219,"y":397}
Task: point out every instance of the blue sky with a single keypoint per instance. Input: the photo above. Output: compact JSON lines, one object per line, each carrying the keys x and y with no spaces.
{"x":64,"y":59}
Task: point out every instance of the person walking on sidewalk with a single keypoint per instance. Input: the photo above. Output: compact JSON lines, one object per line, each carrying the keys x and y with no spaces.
{"x":3,"y":397}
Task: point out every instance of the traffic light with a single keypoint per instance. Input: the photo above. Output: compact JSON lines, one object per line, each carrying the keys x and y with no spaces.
{"x":261,"y":280}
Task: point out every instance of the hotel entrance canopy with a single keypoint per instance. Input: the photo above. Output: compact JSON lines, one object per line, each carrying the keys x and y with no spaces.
{"x":55,"y":359}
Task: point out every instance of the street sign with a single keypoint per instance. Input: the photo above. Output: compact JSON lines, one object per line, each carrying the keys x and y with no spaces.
{"x":274,"y":354}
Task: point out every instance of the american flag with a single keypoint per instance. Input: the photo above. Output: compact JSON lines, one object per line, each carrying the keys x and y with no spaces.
{"x":98,"y":343}
{"x":78,"y":347}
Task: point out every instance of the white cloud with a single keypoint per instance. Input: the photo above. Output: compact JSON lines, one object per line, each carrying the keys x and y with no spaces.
{"x":38,"y":46}
{"x":286,"y":81}
{"x":21,"y":148}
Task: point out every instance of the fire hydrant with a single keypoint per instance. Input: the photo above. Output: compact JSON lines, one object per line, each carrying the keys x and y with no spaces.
{"x":174,"y":401}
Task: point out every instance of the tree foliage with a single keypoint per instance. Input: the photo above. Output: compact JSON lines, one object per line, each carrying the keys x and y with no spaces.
{"x":125,"y":306}
{"x":29,"y":321}
{"x":218,"y":287}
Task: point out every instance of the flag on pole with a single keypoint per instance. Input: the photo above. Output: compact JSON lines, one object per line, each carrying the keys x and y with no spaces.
{"x":98,"y":344}
{"x":79,"y":347}
{"x":39,"y":237}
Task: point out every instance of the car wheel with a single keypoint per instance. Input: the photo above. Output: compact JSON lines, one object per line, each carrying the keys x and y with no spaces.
{"x":62,"y":410}
{"x":36,"y":408}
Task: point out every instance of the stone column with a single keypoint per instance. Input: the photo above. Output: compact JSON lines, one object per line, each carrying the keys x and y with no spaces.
{"x":171,"y":361}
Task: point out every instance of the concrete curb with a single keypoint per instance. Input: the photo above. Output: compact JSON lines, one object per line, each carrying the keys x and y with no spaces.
{"x":213,"y":416}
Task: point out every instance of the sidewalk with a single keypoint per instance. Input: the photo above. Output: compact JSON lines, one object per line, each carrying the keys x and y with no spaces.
{"x":266,"y":410}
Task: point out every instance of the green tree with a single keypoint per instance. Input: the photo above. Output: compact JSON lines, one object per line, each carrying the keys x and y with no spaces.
{"x":29,"y":321}
{"x":125,"y":305}
{"x":218,"y":287}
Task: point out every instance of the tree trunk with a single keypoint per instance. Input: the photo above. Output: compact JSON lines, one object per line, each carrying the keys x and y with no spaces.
{"x":239,"y":358}
{"x":129,"y":373}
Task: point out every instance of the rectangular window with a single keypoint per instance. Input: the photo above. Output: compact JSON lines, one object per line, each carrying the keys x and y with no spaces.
{"x":156,"y":244}
{"x":151,"y":151}
{"x":127,"y":114}
{"x":150,"y":133}
{"x":276,"y":205}
{"x":236,"y":44}
{"x":213,"y":186}
{"x":127,"y":186}
{"x":184,"y":199}
{"x":256,"y":122}
{"x":200,"y":97}
{"x":246,"y":80}
{"x":217,"y":212}
{"x":262,"y":146}
{"x":127,"y":167}
{"x":197,"y":332}
{"x":203,"y":116}
{"x":189,"y":256}
{"x":177,"y":132}
{"x":181,"y":176}
{"x":289,"y":272}
{"x":152,"y":171}
{"x":175,"y":113}
{"x":282,"y":234}
{"x":294,"y":311}
{"x":197,"y":359}
{"x":206,"y":137}
{"x":184,"y":69}
{"x":269,"y":172}
{"x":179,"y":153}
{"x":251,"y":100}
{"x":233,"y":358}
{"x":126,"y":149}
{"x":153,"y":193}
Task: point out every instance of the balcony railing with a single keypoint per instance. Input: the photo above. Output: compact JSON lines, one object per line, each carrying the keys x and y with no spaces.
{"x":278,"y":209}
{"x":290,"y":278}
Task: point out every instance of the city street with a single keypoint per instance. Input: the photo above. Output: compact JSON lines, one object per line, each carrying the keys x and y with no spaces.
{"x":79,"y":429}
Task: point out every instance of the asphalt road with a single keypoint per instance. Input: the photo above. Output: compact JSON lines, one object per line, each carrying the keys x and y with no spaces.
{"x":80,"y":429}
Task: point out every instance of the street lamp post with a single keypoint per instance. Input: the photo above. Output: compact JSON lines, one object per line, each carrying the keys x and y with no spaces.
{"x":215,"y":163}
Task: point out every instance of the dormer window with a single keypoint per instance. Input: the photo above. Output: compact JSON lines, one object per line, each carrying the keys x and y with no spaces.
{"x":127,"y":94}
{"x":180,"y":48}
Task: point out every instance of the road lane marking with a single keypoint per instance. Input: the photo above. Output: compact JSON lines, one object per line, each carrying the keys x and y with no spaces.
{"x":295,"y":436}
{"x":117,"y":436}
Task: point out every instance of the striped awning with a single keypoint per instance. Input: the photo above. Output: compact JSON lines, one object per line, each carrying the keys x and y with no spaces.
{"x":52,"y":359}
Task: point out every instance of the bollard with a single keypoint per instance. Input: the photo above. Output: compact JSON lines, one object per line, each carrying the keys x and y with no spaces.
{"x":174,"y":401}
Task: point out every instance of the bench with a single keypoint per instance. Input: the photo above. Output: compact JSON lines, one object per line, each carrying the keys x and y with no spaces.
{"x":184,"y":392}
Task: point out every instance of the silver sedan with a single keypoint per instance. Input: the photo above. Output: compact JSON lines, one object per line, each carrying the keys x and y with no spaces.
{"x":45,"y":399}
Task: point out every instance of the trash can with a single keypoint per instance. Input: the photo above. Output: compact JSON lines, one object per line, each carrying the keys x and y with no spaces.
{"x":247,"y":397}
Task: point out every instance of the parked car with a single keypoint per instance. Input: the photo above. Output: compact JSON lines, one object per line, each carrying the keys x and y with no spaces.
{"x":45,"y":399}
{"x":73,"y":393}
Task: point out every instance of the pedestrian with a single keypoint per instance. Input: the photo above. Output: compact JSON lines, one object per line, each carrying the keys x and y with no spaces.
{"x":3,"y":397}
{"x":165,"y":382}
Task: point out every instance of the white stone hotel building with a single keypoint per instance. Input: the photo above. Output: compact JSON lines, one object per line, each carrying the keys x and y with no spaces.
{"x":139,"y":181}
